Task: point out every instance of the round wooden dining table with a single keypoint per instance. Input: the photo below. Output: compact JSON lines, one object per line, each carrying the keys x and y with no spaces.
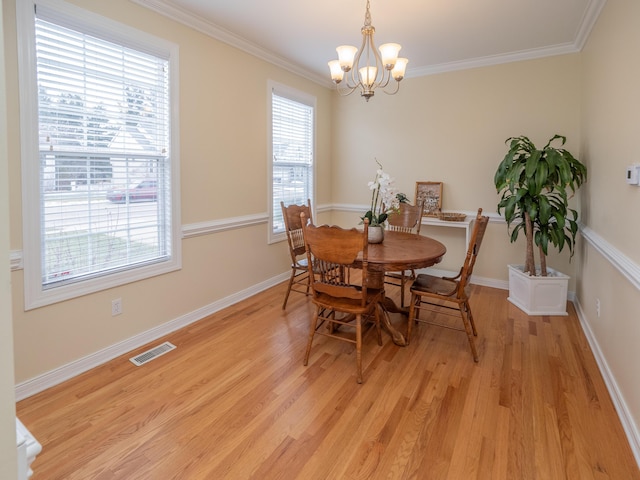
{"x":399,"y":251}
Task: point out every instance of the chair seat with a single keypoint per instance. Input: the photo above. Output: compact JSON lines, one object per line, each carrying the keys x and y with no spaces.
{"x":301,"y":263}
{"x":442,"y":287}
{"x":349,"y":305}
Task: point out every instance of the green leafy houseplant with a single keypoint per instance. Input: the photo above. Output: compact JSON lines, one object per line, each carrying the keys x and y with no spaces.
{"x":534,"y":183}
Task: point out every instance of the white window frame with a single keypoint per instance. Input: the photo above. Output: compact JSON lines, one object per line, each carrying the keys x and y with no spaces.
{"x":304,"y":98}
{"x":82,"y":20}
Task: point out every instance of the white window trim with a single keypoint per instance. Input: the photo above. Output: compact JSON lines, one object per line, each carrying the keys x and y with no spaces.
{"x":302,"y":97}
{"x":34,"y":294}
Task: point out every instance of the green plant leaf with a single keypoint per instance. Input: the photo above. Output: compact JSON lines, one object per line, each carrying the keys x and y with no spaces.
{"x":545,"y":210}
{"x":532,"y":208}
{"x":532,"y":163}
{"x":510,"y":207}
{"x":514,"y":234}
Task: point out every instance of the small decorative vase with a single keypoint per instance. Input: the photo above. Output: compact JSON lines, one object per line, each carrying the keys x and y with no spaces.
{"x":376,"y":234}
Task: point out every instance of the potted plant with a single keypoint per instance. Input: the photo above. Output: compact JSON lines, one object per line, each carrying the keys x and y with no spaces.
{"x":534,"y":185}
{"x":384,"y":199}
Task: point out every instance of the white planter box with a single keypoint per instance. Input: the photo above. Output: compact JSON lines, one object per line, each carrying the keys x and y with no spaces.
{"x":536,"y":295}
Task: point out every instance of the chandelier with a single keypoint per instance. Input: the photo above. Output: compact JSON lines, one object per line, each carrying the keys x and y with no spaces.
{"x":367,"y":68}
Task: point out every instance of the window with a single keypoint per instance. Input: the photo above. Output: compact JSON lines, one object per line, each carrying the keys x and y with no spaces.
{"x":292,"y":153}
{"x":98,"y":159}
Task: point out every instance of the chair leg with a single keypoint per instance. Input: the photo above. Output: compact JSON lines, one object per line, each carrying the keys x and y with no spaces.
{"x":415,"y":298}
{"x":377,"y":320}
{"x":308,"y":283}
{"x":312,"y":332}
{"x":359,"y":348}
{"x":286,"y":297}
{"x":402,"y":282}
{"x":470,"y":315}
{"x":467,"y":328}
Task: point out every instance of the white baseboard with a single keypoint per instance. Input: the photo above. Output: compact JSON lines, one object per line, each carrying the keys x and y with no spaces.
{"x":54,"y":377}
{"x":630,"y":428}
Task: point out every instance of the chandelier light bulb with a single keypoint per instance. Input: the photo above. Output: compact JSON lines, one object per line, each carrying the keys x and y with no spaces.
{"x":368,"y":76}
{"x":398,"y":70}
{"x":337,"y":74}
{"x":389,"y":53}
{"x":346,"y":54}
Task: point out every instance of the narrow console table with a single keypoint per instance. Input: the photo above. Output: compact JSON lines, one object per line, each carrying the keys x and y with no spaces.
{"x":466,"y":224}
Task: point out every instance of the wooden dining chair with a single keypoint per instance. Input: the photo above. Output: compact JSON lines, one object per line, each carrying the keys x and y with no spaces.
{"x":299,"y":279}
{"x":408,"y":219}
{"x":443,"y":294}
{"x":339,"y":286}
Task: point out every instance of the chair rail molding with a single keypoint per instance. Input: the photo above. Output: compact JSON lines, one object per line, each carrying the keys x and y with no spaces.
{"x":15,"y":260}
{"x":223,"y":225}
{"x":627,"y":267}
{"x":194,"y":229}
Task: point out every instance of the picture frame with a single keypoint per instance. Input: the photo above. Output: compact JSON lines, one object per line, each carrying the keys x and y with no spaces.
{"x":430,"y":193}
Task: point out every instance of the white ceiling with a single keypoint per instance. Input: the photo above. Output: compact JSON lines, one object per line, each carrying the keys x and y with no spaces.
{"x":436,"y":35}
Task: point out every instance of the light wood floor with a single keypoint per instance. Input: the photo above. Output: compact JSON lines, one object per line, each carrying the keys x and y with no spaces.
{"x":234,"y":401}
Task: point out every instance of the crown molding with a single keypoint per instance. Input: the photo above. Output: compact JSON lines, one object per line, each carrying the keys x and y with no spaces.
{"x":589,"y":19}
{"x":493,"y":60}
{"x":215,"y":31}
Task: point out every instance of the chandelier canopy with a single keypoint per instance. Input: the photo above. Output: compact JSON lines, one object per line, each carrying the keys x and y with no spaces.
{"x":367,"y":68}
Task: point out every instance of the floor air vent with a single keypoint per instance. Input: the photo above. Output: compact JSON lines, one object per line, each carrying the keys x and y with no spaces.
{"x":149,"y":355}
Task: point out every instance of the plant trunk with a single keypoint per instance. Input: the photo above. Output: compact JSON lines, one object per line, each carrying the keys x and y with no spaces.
{"x":529,"y":264}
{"x":543,"y":262}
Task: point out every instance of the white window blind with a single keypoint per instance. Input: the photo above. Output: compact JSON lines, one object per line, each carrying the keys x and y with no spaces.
{"x":292,"y":147}
{"x":103,"y":130}
{"x":98,"y":173}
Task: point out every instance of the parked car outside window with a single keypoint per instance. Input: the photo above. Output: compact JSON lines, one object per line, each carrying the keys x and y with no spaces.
{"x":145,"y":191}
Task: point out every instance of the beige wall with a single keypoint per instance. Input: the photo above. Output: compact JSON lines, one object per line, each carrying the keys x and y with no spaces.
{"x":223,"y":150}
{"x":8,"y":465}
{"x":452,"y":128}
{"x":448,"y":127}
{"x":611,"y":126}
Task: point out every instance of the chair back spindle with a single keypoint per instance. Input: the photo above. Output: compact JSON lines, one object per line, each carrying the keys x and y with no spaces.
{"x":408,"y":218}
{"x":477,"y":234}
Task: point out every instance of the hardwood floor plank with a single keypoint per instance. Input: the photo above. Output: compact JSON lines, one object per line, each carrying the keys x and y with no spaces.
{"x":233,"y":401}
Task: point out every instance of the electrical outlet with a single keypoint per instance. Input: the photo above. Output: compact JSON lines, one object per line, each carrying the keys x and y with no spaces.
{"x":116,"y":307}
{"x":598,"y":307}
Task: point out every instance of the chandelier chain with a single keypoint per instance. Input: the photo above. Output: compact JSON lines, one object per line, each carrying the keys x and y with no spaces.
{"x":367,"y":15}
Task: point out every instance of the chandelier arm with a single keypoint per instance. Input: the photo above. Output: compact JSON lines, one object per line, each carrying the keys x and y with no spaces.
{"x":386,"y":78}
{"x":345,"y":90}
{"x":354,"y":73}
{"x":394,"y":91}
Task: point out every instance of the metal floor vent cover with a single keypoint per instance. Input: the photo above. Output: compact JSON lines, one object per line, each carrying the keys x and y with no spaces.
{"x":149,"y":355}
